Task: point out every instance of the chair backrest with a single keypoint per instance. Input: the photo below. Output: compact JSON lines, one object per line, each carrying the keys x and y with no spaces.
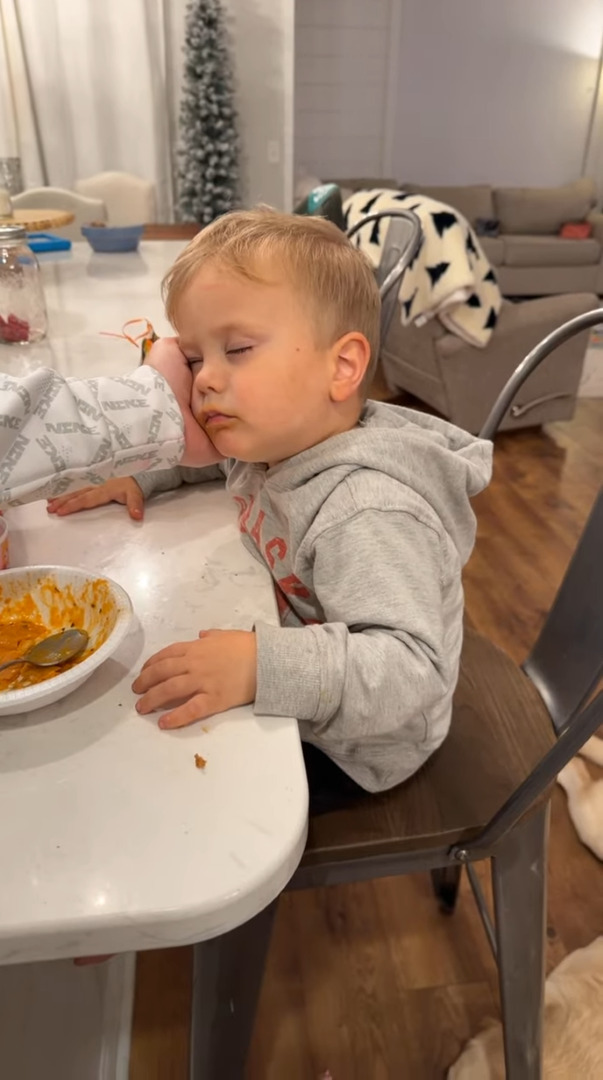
{"x":566,"y":663}
{"x":401,"y":244}
{"x":130,"y":200}
{"x":51,"y":198}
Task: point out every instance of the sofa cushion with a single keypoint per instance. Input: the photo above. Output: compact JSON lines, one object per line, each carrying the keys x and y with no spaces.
{"x":550,"y":251}
{"x":473,"y":201}
{"x":542,"y":211}
{"x":493,"y":248}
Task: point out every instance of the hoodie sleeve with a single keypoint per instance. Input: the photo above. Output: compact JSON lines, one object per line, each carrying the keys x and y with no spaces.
{"x":151,"y":483}
{"x":57,"y":434}
{"x":378,"y":661}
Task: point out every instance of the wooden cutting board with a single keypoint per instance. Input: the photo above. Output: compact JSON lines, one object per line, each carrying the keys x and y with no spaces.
{"x":35,"y":220}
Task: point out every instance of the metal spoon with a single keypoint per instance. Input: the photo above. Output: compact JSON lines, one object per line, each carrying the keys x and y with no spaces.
{"x":56,"y":649}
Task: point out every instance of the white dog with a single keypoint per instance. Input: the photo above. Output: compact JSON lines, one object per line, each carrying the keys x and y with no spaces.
{"x":573,"y":1026}
{"x":585,"y":800}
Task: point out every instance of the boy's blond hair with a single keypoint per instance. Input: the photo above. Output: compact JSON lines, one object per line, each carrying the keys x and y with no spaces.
{"x":336,"y":279}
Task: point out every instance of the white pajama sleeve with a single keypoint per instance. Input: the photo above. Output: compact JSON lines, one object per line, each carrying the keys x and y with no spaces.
{"x":59,"y":434}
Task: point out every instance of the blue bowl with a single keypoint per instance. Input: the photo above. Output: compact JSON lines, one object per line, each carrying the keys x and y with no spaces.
{"x":113,"y":238}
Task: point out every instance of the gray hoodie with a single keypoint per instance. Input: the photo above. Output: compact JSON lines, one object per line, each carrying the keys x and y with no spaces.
{"x":365,"y":536}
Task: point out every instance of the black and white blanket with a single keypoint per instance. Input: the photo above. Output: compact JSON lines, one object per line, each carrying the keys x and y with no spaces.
{"x":450,"y":277}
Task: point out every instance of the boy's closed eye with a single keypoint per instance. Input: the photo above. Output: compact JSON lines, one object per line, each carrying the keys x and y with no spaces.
{"x":239,"y":350}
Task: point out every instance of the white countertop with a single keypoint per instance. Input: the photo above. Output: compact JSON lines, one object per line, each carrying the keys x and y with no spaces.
{"x":113,"y":840}
{"x":88,"y":295}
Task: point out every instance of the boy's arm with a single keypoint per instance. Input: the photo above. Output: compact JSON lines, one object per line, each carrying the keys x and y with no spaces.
{"x":378,"y":660}
{"x":151,"y":483}
{"x":131,"y":492}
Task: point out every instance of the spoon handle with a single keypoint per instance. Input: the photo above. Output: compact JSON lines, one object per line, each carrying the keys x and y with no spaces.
{"x":7,"y":663}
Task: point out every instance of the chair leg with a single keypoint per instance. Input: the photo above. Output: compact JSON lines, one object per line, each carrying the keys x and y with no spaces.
{"x":227,"y":979}
{"x":445,"y":881}
{"x":519,"y":883}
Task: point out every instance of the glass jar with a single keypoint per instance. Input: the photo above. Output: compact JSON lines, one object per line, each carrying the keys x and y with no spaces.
{"x":22,"y":307}
{"x":11,"y":175}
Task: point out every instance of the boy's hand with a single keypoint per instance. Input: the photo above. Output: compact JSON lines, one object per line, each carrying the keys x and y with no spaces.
{"x":166,"y":357}
{"x":123,"y":490}
{"x":209,"y":675}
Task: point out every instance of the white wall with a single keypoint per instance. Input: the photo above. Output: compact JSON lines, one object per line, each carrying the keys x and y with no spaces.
{"x":446,"y":91}
{"x":262,"y":33}
{"x":495,"y":90}
{"x":341,"y":56}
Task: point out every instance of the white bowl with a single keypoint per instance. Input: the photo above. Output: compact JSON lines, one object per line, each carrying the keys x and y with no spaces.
{"x":99,"y":606}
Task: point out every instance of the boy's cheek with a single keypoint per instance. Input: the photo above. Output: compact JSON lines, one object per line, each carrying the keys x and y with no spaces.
{"x":196,"y":406}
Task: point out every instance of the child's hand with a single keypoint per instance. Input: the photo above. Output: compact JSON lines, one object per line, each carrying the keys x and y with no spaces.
{"x":209,"y":675}
{"x":122,"y":490}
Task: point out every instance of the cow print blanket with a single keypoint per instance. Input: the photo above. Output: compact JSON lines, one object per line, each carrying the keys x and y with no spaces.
{"x":449,"y":278}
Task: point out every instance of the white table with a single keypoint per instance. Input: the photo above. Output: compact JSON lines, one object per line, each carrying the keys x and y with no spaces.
{"x":88,"y":295}
{"x":117,"y":842}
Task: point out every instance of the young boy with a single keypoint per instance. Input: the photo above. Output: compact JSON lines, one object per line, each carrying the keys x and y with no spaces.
{"x":360,"y":510}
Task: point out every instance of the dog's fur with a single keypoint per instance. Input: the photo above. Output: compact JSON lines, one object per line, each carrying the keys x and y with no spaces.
{"x":585,"y":799}
{"x":573,"y":1026}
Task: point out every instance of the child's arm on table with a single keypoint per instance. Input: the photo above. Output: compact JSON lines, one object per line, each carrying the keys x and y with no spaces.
{"x":374,"y":665}
{"x":381,"y":656}
{"x":214,"y":673}
{"x":131,"y":493}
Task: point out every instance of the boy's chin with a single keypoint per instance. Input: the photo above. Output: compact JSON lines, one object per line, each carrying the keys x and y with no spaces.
{"x":230,"y":447}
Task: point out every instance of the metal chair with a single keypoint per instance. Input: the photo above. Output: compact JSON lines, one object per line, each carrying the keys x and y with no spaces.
{"x":401,"y":244}
{"x":484,"y":794}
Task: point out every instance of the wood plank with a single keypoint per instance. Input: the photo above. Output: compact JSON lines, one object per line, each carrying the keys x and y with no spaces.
{"x":180,"y":231}
{"x":370,"y":981}
{"x":161,"y":1026}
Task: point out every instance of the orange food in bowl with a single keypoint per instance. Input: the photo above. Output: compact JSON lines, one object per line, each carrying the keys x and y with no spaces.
{"x":25,"y":620}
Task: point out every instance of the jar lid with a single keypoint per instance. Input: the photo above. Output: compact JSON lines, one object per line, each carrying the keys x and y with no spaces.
{"x":12,"y":232}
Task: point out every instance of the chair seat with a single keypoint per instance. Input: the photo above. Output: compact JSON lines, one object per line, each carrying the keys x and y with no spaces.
{"x":500,"y":729}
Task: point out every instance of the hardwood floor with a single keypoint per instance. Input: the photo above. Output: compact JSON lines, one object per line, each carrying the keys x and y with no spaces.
{"x":370,"y":981}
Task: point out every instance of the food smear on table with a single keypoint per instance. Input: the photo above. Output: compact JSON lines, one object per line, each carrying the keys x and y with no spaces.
{"x":200,"y":762}
{"x":26,"y":619}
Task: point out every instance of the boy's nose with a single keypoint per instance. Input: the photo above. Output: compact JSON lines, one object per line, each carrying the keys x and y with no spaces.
{"x":210,"y":376}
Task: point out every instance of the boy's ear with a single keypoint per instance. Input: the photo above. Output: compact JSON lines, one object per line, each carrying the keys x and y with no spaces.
{"x":351,"y":357}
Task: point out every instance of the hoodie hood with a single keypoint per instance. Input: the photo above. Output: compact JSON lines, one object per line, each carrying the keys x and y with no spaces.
{"x":438,"y":462}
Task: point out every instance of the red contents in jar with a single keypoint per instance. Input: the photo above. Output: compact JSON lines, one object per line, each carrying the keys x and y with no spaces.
{"x":14,"y":329}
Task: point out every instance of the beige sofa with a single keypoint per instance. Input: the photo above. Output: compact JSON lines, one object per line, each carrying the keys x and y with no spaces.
{"x":463,"y":382}
{"x":528,"y":255}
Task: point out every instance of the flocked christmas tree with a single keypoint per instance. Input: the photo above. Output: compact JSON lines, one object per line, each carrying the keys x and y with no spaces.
{"x":208,"y":173}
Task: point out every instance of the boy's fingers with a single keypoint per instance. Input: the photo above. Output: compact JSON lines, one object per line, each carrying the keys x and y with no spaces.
{"x":82,"y":500}
{"x":52,"y":505}
{"x":177,"y":688}
{"x":135,"y":502}
{"x":179,"y":648}
{"x":168,"y":668}
{"x":197,"y":708}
